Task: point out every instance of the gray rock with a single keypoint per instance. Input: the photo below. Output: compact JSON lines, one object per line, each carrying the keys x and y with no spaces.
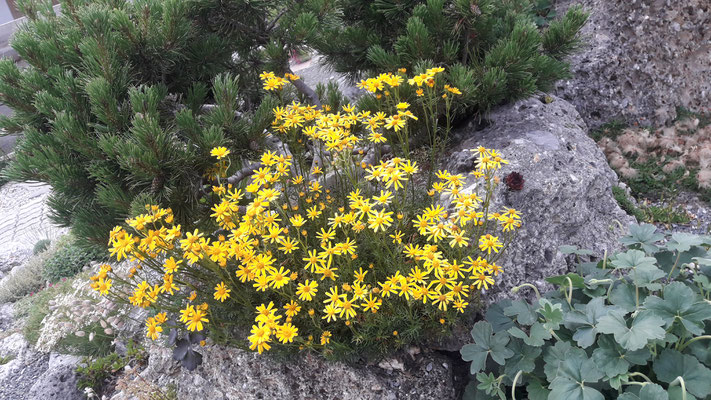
{"x":12,"y":259}
{"x":641,"y":60}
{"x":7,"y":316}
{"x":24,"y":368}
{"x":566,"y":198}
{"x":59,"y":381}
{"x":229,"y":373}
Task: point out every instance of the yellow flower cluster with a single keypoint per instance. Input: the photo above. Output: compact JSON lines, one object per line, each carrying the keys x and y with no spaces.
{"x":345,"y":253}
{"x":273,"y":82}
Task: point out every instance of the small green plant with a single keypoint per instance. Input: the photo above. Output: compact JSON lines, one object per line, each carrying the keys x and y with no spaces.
{"x":635,"y":325}
{"x":69,"y":260}
{"x":26,"y":278}
{"x":612,"y":130}
{"x":6,"y":359}
{"x":99,"y":373}
{"x":3,"y":163}
{"x":41,"y":246}
{"x":93,"y":342}
{"x":626,"y":204}
{"x":666,"y":214}
{"x":35,"y":307}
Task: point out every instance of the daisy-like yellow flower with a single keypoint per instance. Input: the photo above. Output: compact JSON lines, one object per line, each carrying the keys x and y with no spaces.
{"x":488,"y":243}
{"x":292,"y":309}
{"x":286,"y":333}
{"x":103,"y":286}
{"x":219,"y":152}
{"x":259,"y":339}
{"x":483,"y":280}
{"x":196,"y":319}
{"x":372,"y":304}
{"x":222,"y":292}
{"x":153,"y":329}
{"x":380,"y":220}
{"x":330,"y":313}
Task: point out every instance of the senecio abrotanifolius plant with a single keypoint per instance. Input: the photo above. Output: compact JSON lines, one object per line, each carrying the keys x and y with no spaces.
{"x":325,"y":244}
{"x":636,"y":325}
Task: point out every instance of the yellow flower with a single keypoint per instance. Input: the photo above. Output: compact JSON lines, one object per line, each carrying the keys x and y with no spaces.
{"x":103,"y":286}
{"x":397,"y":237}
{"x":196,"y":319}
{"x":372,"y":304}
{"x":286,"y":333}
{"x":292,"y":308}
{"x":260,"y":337}
{"x":171,"y":266}
{"x":330,"y":313}
{"x":277,"y":279}
{"x":483,"y":280}
{"x":380,"y":220}
{"x":488,"y":242}
{"x":395,"y":122}
{"x":222,"y":292}
{"x":325,"y":338}
{"x":219,"y":152}
{"x":153,"y":329}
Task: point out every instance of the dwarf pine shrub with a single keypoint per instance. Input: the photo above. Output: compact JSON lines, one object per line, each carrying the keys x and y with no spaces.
{"x":122,"y":101}
{"x":497,"y":51}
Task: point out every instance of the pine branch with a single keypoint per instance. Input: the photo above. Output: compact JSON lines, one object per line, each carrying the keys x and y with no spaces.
{"x":305,"y":90}
{"x":272,"y":24}
{"x":243,"y":173}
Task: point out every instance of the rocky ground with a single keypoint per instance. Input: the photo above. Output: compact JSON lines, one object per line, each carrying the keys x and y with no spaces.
{"x":27,"y":373}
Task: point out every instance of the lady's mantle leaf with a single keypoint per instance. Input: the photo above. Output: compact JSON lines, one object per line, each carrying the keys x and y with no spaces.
{"x":573,"y":373}
{"x":613,"y":360}
{"x":525,"y":313}
{"x":583,"y":321}
{"x":538,"y":335}
{"x":651,"y":391}
{"x":645,"y":327}
{"x":643,"y":235}
{"x":633,"y":259}
{"x":524,"y":358}
{"x":552,"y":313}
{"x":495,"y":315}
{"x":623,"y":296}
{"x":680,"y":303}
{"x":560,"y":280}
{"x":672,"y":364}
{"x":553,"y":356}
{"x":486,"y":343}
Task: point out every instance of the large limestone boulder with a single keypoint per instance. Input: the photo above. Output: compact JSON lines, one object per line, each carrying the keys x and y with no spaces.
{"x":641,"y":60}
{"x":566,"y":198}
{"x":59,"y":381}
{"x":233,"y":374}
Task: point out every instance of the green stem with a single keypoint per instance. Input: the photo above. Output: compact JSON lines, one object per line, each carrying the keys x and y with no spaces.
{"x":682,"y":347}
{"x":535,"y":289}
{"x":646,"y":378}
{"x":680,"y":381}
{"x":569,"y":294}
{"x":674,"y":266}
{"x":513,"y":388}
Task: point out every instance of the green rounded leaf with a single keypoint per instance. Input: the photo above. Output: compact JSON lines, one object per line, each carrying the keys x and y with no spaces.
{"x":486,"y":343}
{"x":672,"y":364}
{"x":680,"y":303}
{"x":573,"y":374}
{"x":643,"y":328}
